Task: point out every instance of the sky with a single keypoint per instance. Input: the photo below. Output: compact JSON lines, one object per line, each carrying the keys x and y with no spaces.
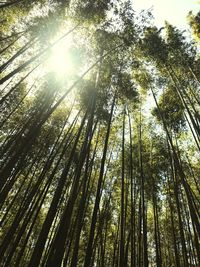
{"x":174,"y":11}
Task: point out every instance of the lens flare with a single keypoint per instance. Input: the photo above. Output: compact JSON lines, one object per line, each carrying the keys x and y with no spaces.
{"x":60,"y":60}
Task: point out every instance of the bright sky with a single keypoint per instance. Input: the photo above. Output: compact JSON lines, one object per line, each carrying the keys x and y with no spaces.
{"x":174,"y":11}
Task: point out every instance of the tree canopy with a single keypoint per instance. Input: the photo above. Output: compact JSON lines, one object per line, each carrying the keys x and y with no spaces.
{"x":99,"y":136}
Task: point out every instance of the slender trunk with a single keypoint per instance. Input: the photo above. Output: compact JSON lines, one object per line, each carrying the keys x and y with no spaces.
{"x":34,"y":58}
{"x":57,"y":252}
{"x":122,"y":239}
{"x":88,"y":255}
{"x":8,"y":4}
{"x":187,"y":189}
{"x":39,"y":247}
{"x":82,"y":209}
{"x":17,"y":54}
{"x":8,"y":46}
{"x":142,"y":195}
{"x":4,"y":98}
{"x":132,"y":182}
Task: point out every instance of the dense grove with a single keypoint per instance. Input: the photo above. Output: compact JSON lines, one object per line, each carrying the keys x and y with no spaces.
{"x":100,"y":164}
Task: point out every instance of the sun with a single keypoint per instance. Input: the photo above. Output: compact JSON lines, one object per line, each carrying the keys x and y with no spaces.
{"x":60,"y":60}
{"x":67,"y":60}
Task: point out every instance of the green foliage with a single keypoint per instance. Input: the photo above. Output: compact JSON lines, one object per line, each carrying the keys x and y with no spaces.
{"x":99,"y":167}
{"x":152,"y":46}
{"x":171,"y":109}
{"x":194,"y":22}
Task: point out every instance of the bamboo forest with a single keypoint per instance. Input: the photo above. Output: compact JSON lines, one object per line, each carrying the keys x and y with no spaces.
{"x":99,"y":136}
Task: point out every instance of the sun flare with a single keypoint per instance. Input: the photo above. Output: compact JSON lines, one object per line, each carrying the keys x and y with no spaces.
{"x":60,"y":60}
